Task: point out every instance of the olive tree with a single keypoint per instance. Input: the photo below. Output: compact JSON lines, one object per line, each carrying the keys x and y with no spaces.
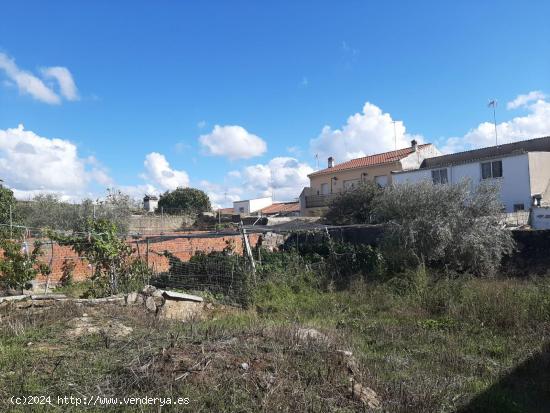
{"x":354,"y":206}
{"x":450,"y":226}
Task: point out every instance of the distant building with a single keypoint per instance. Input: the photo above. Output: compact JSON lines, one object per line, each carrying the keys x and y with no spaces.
{"x":520,"y":169}
{"x":250,"y":206}
{"x":327,"y":183}
{"x":150,"y":203}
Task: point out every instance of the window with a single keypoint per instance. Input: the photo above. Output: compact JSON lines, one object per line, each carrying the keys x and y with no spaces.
{"x":491,"y":170}
{"x":324,"y":189}
{"x":439,"y":176}
{"x":519,"y":207}
{"x":241,"y":210}
{"x":381,"y":180}
{"x":350,"y":184}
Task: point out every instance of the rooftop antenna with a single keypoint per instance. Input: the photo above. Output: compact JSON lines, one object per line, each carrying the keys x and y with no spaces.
{"x":493,"y":103}
{"x":394,"y":134}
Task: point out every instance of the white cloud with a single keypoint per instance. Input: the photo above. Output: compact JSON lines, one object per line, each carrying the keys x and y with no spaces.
{"x":66,"y":82}
{"x":28,"y":83}
{"x":32,"y":164}
{"x":159,"y":173}
{"x":365,"y":133}
{"x":533,"y":125}
{"x":285,"y":177}
{"x":232,"y":141}
{"x":221,"y":196}
{"x":523,"y":100}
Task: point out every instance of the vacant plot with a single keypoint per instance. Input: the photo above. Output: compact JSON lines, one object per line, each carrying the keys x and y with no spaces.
{"x":454,"y":345}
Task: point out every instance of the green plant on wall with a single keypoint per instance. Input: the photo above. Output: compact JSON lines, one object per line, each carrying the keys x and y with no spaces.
{"x":18,"y":266}
{"x":110,"y":255}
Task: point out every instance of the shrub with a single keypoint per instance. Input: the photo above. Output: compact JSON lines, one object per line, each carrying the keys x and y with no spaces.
{"x":110,"y":256}
{"x":445,"y":226}
{"x":18,"y":266}
{"x":354,"y":206}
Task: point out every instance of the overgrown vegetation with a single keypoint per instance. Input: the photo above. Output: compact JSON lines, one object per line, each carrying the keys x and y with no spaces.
{"x":449,"y":227}
{"x":19,"y":266}
{"x":356,"y":206}
{"x":116,"y":269}
{"x":447,"y":345}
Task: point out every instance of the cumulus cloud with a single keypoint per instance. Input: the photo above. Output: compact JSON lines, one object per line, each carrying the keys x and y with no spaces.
{"x":233,"y":142}
{"x":284,"y":177}
{"x":523,"y":100}
{"x":366,"y":133}
{"x":29,"y":84}
{"x":533,"y":125}
{"x":65,"y":80}
{"x":159,"y":173}
{"x":31,"y":164}
{"x":220,"y":195}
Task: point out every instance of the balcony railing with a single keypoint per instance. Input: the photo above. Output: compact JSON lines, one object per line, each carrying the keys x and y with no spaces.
{"x":317,"y":201}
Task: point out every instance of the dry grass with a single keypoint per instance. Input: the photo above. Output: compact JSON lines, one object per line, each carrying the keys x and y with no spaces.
{"x":450,"y":346}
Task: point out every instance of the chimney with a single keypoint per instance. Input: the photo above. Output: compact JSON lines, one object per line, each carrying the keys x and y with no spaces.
{"x":330,"y":162}
{"x":414,"y":145}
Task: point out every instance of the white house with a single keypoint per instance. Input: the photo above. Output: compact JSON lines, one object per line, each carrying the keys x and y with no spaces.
{"x":249,"y":206}
{"x":150,"y":203}
{"x":521,"y":169}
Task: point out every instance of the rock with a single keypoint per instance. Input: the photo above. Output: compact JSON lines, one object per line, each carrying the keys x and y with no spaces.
{"x":48,"y":297}
{"x":173,"y":295}
{"x":150,"y":304}
{"x":306,"y":334}
{"x":365,"y":395}
{"x":158,"y":293}
{"x":13,"y":298}
{"x":345,"y":353}
{"x":181,"y":310}
{"x":149,"y":290}
{"x":132,"y":298}
{"x":245,"y":366}
{"x":84,"y":315}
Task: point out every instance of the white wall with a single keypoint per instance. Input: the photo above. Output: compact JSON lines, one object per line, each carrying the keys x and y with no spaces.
{"x":541,"y":218}
{"x":515,"y":182}
{"x":251,"y":205}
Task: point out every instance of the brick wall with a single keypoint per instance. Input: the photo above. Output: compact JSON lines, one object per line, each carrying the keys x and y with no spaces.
{"x":184,"y":248}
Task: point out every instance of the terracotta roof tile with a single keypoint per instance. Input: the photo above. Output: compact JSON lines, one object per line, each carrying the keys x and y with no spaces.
{"x":371,"y":160}
{"x":283,"y":207}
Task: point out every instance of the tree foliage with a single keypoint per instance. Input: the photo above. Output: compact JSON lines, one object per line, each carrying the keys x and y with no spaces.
{"x":50,"y":211}
{"x":115,"y":269}
{"x":18,"y":266}
{"x":9,"y":213}
{"x":355,"y":206}
{"x":186,"y":200}
{"x":448,"y":226}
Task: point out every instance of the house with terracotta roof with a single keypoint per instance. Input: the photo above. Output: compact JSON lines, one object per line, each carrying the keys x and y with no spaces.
{"x":326,"y":183}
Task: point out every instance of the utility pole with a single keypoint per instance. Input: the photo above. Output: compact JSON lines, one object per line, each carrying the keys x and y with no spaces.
{"x":493,"y":103}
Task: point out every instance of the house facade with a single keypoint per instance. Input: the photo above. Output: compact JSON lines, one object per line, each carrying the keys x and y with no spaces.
{"x":150,"y":203}
{"x":327,"y":183}
{"x":250,"y":206}
{"x":521,"y":170}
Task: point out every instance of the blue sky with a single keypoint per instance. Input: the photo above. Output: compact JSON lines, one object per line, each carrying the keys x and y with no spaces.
{"x":129,"y":88}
